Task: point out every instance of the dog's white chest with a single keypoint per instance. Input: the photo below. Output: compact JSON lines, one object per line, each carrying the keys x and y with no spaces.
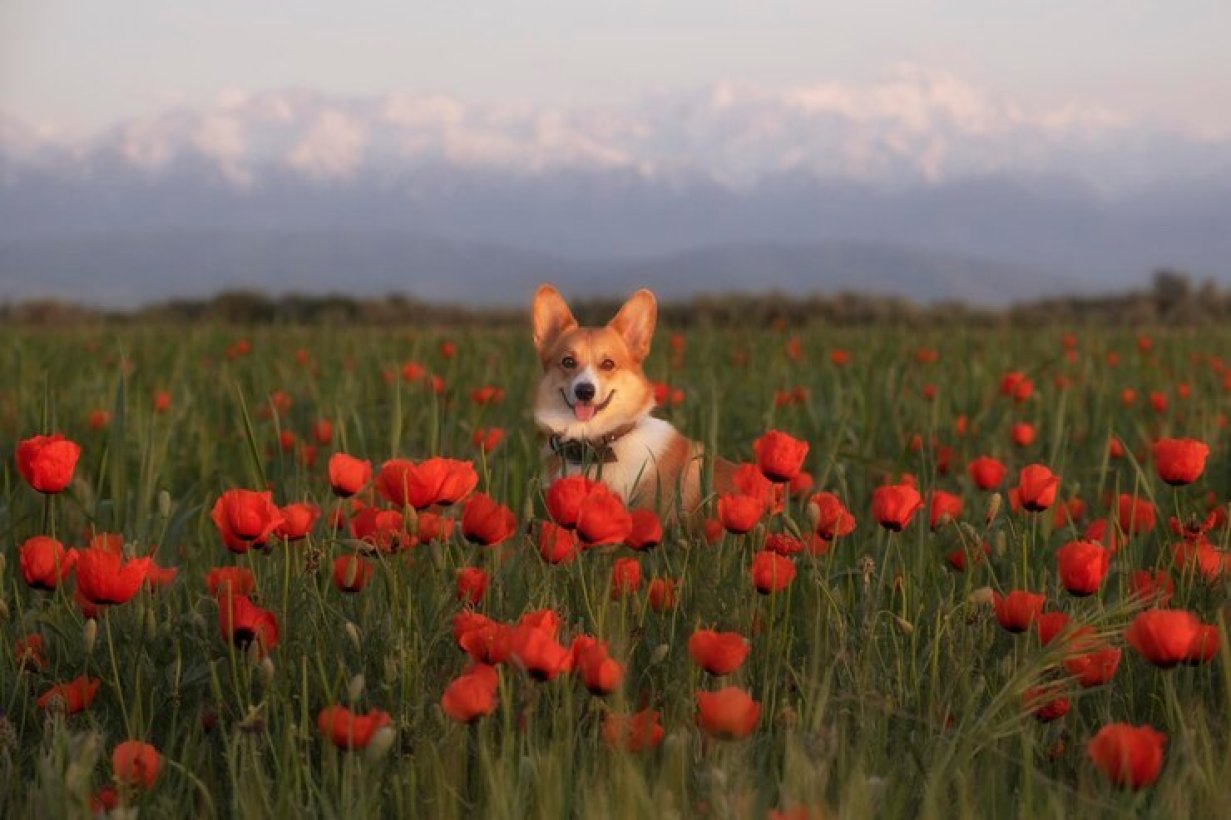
{"x":637,"y":455}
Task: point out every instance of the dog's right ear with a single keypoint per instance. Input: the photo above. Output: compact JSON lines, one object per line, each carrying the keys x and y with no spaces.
{"x":550,"y":317}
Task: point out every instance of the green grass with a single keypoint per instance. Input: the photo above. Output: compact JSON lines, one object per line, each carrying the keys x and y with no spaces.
{"x":886,"y":692}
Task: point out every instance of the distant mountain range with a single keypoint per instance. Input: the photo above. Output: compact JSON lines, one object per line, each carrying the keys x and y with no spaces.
{"x":919,"y":185}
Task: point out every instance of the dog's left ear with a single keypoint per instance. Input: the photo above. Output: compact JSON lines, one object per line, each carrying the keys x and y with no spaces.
{"x":635,"y":322}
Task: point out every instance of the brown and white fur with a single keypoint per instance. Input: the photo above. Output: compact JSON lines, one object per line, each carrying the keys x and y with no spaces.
{"x":592,"y":385}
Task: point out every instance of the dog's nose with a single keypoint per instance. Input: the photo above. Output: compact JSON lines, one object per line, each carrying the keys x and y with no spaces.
{"x":583,"y":391}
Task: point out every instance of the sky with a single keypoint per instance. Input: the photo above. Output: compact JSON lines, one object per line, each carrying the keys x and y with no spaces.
{"x":77,"y":67}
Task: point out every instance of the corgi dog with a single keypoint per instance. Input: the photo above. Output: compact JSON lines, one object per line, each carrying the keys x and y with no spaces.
{"x":593,"y":406}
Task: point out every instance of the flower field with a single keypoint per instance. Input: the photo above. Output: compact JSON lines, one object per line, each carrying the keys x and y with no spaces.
{"x":316,"y":572}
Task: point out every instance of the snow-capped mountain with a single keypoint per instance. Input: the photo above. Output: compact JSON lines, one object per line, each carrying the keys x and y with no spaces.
{"x":919,"y":162}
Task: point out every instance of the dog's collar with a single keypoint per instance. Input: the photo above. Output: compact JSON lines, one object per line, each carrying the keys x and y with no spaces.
{"x":590,"y":451}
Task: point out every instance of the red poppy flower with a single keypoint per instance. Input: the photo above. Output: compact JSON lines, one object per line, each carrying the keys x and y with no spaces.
{"x":941,"y":505}
{"x":1130,"y":756}
{"x":105,"y":577}
{"x":600,"y":673}
{"x":1136,"y":515}
{"x":1037,"y":486}
{"x":245,"y":518}
{"x":603,"y":518}
{"x":98,"y":419}
{"x":157,"y":577}
{"x":780,"y":457}
{"x":472,"y":694}
{"x":136,"y":764}
{"x":749,"y":480}
{"x":441,"y":481}
{"x":243,"y":623}
{"x":719,"y":653}
{"x":1210,"y":563}
{"x":348,"y":730}
{"x":487,"y":394}
{"x":1163,"y":636}
{"x":1095,"y":667}
{"x":471,"y":585}
{"x":638,"y":732}
{"x":73,"y":696}
{"x":348,"y":475}
{"x":556,"y":544}
{"x":564,"y":498}
{"x":486,"y":522}
{"x":1154,"y":586}
{"x":45,"y":562}
{"x":487,"y":438}
{"x":1204,"y":646}
{"x":1180,"y":460}
{"x":647,"y":531}
{"x":1082,"y":566}
{"x":1049,"y":625}
{"x":28,"y":650}
{"x":1018,"y":610}
{"x":351,"y":573}
{"x":833,"y":519}
{"x":1023,"y":434}
{"x":537,"y":651}
{"x":1045,"y":703}
{"x":625,"y":577}
{"x":162,"y":401}
{"x":662,"y":594}
{"x":1101,"y":532}
{"x":739,"y":513}
{"x":782,"y":544}
{"x":771,"y":572}
{"x":986,"y":472}
{"x":712,"y":529}
{"x":297,"y":521}
{"x":728,"y":714}
{"x":959,"y":558}
{"x":223,"y":581}
{"x":383,"y":529}
{"x":894,"y":505}
{"x":47,"y":462}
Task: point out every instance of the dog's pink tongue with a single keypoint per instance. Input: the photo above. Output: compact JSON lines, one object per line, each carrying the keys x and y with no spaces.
{"x":583,"y":412}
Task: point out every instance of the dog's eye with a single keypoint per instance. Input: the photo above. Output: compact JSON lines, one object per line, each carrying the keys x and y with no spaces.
{"x":568,"y":362}
{"x":607,"y":364}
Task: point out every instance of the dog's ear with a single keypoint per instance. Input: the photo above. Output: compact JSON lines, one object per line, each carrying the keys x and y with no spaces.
{"x":635,"y":322}
{"x":550,"y":317}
